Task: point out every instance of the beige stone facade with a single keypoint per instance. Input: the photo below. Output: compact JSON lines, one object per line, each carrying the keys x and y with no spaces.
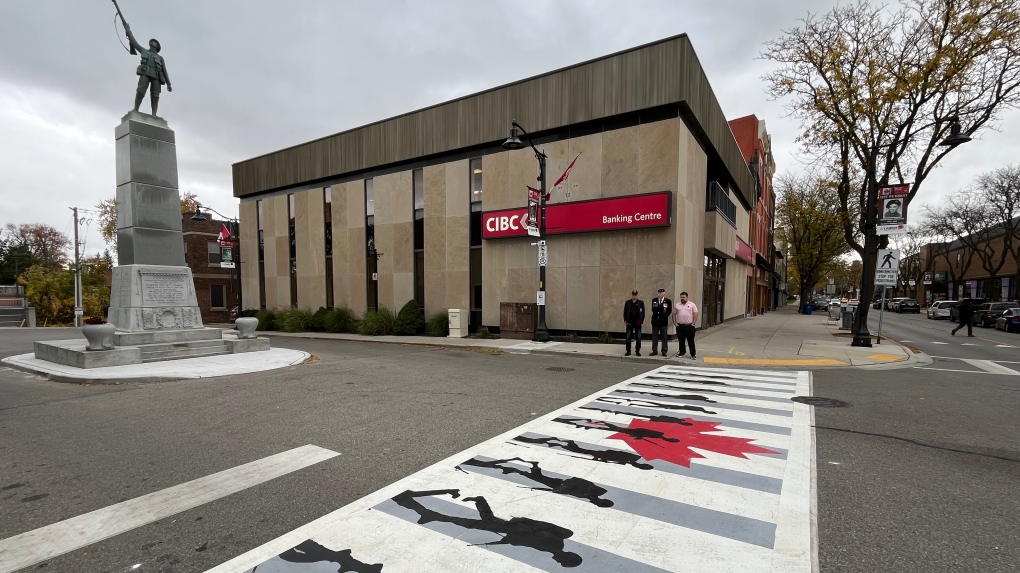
{"x":589,"y":275}
{"x":631,"y":135}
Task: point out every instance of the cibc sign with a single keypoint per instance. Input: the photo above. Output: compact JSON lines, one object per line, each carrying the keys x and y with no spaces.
{"x":610,"y":214}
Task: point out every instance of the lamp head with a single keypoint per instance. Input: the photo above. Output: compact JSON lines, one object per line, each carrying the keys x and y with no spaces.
{"x":956,"y":137}
{"x":198,"y":216}
{"x":514,"y":141}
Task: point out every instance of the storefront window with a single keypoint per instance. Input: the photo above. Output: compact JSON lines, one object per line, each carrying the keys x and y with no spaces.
{"x":262,"y":255}
{"x":372,"y":255}
{"x":327,"y":224}
{"x":476,"y":180}
{"x":292,"y":236}
{"x":713,"y":304}
{"x":417,"y":184}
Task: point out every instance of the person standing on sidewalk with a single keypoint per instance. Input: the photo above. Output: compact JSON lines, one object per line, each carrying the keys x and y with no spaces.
{"x":685,"y":317}
{"x":634,"y":317}
{"x":662,"y":308}
{"x":966,"y":317}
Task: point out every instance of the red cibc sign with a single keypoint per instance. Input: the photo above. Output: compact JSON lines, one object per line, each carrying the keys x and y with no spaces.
{"x":611,"y":214}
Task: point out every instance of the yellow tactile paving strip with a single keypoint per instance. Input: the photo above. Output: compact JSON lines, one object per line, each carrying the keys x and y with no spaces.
{"x":778,"y":362}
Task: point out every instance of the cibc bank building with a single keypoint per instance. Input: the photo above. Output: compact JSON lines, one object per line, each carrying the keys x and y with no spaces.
{"x":429,"y":205}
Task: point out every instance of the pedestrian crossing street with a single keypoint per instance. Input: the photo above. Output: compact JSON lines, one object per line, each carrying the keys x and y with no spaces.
{"x":677,"y":469}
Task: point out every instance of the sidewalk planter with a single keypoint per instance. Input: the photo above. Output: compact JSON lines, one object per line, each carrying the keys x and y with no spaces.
{"x":99,"y":336}
{"x":246,"y":327}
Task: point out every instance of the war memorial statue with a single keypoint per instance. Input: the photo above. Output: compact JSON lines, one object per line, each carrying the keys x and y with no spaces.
{"x":151,"y":71}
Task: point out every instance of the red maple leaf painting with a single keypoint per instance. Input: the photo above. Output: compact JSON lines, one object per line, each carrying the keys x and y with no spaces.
{"x":677,"y":440}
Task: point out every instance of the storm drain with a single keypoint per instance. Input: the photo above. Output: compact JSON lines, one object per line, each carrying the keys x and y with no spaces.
{"x":560,"y":369}
{"x":820,"y":402}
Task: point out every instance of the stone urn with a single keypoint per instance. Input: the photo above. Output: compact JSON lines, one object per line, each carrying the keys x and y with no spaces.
{"x":246,"y":326}
{"x":99,"y":336}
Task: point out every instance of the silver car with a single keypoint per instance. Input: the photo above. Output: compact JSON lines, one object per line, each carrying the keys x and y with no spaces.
{"x":941,"y":309}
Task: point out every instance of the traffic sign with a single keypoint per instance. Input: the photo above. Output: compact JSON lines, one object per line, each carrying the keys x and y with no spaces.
{"x":543,"y":255}
{"x":888,"y":267}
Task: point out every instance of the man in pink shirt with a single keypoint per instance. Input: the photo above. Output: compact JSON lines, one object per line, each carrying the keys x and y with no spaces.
{"x":685,"y":317}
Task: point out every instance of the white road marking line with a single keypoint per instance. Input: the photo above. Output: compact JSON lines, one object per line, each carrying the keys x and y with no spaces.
{"x":47,"y":542}
{"x":991,"y":367}
{"x":1004,"y":346}
{"x":969,"y":344}
{"x":952,"y":370}
{"x":940,"y":343}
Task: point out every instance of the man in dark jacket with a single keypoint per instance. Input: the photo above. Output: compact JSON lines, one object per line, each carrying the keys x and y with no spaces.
{"x":966,"y":317}
{"x":634,"y":317}
{"x":662,"y":309}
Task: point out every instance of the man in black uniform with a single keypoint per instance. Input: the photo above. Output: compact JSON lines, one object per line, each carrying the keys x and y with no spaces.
{"x":662,"y":309}
{"x":634,"y":317}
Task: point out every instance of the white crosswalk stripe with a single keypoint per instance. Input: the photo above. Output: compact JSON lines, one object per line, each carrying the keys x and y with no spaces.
{"x":677,"y":469}
{"x":45,"y":543}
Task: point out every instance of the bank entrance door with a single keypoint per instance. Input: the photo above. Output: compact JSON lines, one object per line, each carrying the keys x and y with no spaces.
{"x":715,"y":291}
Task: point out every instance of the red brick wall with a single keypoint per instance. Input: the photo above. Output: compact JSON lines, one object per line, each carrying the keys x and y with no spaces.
{"x":197,"y":235}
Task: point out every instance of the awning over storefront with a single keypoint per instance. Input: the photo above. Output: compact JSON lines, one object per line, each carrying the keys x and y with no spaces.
{"x":763,"y":262}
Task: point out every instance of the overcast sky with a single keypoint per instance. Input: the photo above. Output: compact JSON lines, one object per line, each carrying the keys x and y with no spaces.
{"x":255,"y":76}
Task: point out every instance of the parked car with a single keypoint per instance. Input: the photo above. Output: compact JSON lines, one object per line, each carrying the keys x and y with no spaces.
{"x":892,"y":303}
{"x":989,"y":312}
{"x":1009,"y":320}
{"x":954,"y":313}
{"x":940,"y":309}
{"x":908,"y":305}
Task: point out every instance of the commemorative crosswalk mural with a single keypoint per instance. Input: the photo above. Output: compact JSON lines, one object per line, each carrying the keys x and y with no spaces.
{"x":677,"y":469}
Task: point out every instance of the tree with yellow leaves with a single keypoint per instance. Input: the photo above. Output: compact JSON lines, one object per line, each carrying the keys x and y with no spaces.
{"x":865,"y":75}
{"x":108,"y":216}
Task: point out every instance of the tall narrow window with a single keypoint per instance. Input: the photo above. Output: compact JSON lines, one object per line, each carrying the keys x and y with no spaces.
{"x":475,"y":254}
{"x":262,"y":256}
{"x":292,"y":236}
{"x":417,"y":179}
{"x":327,"y":222}
{"x":372,"y":258}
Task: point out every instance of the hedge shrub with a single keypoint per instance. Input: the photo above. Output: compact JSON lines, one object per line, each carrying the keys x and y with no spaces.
{"x":341,"y":319}
{"x":377,"y":322}
{"x":438,"y":324}
{"x":409,"y":320}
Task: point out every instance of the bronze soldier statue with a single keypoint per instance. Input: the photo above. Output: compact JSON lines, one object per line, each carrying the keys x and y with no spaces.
{"x":151,"y":71}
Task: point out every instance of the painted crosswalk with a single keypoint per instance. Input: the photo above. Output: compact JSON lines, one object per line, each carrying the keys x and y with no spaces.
{"x":677,"y":469}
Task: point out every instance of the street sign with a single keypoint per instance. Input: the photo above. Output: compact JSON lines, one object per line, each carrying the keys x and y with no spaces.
{"x":927,"y":278}
{"x":541,"y":298}
{"x":226,"y":265}
{"x":888,"y":268}
{"x":897,"y":229}
{"x":533,"y":232}
{"x":543,"y":256}
{"x":375,"y":276}
{"x":79,"y":310}
{"x":892,"y":201}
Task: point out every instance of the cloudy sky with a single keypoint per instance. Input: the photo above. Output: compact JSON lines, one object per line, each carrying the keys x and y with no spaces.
{"x":254,"y":76}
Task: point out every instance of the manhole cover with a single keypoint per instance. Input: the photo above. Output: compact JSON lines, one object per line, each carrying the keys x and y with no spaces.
{"x":560,"y":369}
{"x":820,"y":402}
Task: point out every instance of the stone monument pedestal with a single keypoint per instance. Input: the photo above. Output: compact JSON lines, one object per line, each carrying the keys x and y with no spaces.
{"x":152,"y":302}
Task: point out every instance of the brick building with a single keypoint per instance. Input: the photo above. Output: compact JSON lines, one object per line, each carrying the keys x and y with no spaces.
{"x":763,"y":283}
{"x":216,"y":287}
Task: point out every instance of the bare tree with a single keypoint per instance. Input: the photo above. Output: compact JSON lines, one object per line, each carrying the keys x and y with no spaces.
{"x":865,"y":75}
{"x":983,"y":221}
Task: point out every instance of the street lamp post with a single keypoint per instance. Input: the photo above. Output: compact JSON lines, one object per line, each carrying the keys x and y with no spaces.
{"x":514,"y":142}
{"x":235,"y":237}
{"x":862,"y":337}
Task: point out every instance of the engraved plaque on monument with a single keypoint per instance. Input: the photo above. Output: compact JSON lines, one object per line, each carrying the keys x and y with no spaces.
{"x":164,"y":289}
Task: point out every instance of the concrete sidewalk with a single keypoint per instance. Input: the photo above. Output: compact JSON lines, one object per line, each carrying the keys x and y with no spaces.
{"x":782,"y":338}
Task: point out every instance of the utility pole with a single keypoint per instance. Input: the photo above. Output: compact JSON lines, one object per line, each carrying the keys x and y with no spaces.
{"x":77,"y":273}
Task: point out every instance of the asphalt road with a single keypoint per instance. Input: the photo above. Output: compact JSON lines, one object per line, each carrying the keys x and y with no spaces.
{"x":920,"y":473}
{"x":389,"y":410}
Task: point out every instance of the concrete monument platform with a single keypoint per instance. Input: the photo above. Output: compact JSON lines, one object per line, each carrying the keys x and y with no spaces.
{"x":153,"y":304}
{"x":204,"y":367}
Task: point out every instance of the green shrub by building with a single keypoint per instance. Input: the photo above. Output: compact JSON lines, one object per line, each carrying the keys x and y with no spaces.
{"x":378,"y":322}
{"x":438,"y":324}
{"x":409,"y":320}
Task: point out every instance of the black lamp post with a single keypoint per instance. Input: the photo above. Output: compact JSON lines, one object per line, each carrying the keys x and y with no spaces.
{"x":862,"y":336}
{"x":514,"y":142}
{"x":235,"y":238}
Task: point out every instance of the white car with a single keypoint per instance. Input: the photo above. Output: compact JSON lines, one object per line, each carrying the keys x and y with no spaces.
{"x":940,"y":309}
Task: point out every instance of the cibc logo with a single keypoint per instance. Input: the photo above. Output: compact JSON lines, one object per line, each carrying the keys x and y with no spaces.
{"x":494,"y":224}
